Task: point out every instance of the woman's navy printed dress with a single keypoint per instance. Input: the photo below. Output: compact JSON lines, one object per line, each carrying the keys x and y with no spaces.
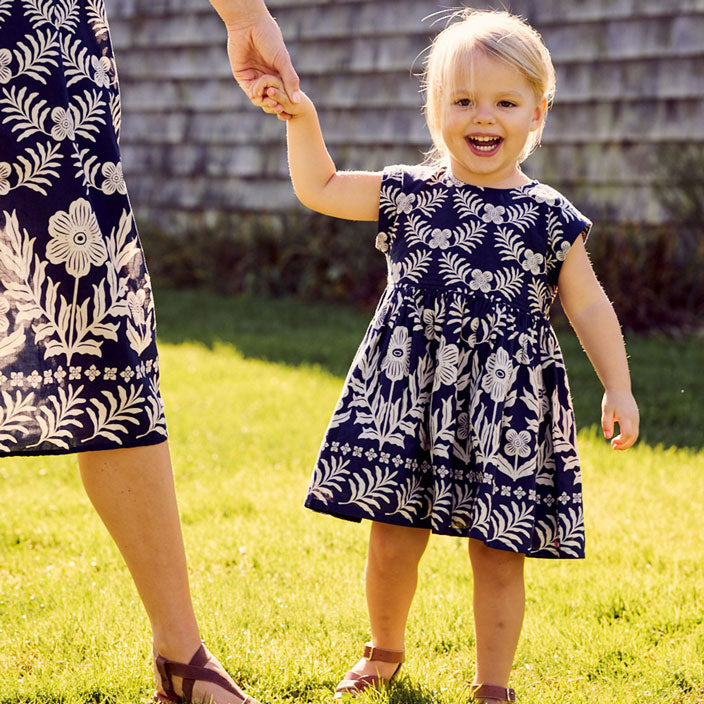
{"x":456,"y":413}
{"x":78,"y":359}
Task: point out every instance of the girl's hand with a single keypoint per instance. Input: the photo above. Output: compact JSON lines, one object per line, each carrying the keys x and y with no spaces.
{"x":269,"y":92}
{"x":620,"y":407}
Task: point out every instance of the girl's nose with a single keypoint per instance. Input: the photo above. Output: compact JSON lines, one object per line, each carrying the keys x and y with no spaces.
{"x":483,"y":116}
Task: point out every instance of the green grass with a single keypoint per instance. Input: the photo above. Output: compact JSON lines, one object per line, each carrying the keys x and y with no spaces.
{"x":249,"y":386}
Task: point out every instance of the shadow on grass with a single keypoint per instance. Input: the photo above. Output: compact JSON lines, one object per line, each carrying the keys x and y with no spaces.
{"x":667,"y":379}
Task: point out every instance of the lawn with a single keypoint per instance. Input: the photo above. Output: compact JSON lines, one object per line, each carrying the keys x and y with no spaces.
{"x":249,"y":386}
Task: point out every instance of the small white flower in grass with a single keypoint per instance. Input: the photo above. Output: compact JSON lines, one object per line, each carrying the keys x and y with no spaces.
{"x":481,"y":280}
{"x":5,"y":171}
{"x":5,"y":61}
{"x":59,"y":375}
{"x":396,"y":363}
{"x":34,"y":379}
{"x":74,"y":373}
{"x":463,"y":426}
{"x":517,"y":443}
{"x":101,"y":70}
{"x":493,"y":213}
{"x":64,"y":125}
{"x":76,"y":240}
{"x":110,"y":374}
{"x":533,"y":261}
{"x":404,"y":202}
{"x":114,"y":180}
{"x":561,"y":253}
{"x":498,"y":374}
{"x":440,"y":239}
{"x":382,"y":242}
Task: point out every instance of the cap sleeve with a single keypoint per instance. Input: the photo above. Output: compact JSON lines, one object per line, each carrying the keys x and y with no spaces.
{"x":565,"y":225}
{"x":392,"y":198}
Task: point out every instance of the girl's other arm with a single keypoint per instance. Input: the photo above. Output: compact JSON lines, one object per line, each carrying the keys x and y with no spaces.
{"x":352,"y":195}
{"x":593,"y":318}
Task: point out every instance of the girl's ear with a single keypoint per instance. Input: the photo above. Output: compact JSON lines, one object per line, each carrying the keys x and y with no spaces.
{"x":541,"y":110}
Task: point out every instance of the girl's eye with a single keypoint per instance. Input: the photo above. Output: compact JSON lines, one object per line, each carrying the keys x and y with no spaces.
{"x":507,"y":104}
{"x":463,"y":102}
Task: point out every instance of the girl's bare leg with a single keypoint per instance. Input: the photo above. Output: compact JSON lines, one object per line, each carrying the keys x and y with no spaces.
{"x":132,"y":490}
{"x":391,"y":578}
{"x":499,"y":605}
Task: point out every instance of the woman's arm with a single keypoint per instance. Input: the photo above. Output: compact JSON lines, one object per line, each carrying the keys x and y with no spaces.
{"x":593,"y":318}
{"x":352,"y":195}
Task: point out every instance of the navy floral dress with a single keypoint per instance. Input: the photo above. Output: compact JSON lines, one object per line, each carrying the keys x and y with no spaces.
{"x":456,"y":413}
{"x":78,"y":360}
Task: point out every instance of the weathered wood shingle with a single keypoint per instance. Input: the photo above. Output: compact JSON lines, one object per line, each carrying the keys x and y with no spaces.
{"x":630,"y":82}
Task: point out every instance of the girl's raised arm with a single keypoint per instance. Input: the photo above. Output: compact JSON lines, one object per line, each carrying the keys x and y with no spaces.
{"x":352,"y":195}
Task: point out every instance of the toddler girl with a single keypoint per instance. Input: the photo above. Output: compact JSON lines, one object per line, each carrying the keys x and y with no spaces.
{"x":456,"y":415}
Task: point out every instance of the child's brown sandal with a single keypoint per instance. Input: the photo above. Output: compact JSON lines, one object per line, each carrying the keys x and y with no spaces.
{"x":484,"y":692}
{"x":354,"y":684}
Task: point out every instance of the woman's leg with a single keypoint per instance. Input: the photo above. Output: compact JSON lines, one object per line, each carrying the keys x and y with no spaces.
{"x":499,"y":604}
{"x":391,"y":578}
{"x":132,"y":490}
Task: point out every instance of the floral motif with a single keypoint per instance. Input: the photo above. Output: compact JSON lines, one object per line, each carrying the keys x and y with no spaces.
{"x":135,"y":302}
{"x":446,"y":369}
{"x":5,"y":171}
{"x":4,"y":308}
{"x":544,"y":194}
{"x":101,"y":70}
{"x":64,"y":124}
{"x":498,"y":374}
{"x":382,"y":242}
{"x":114,"y":180}
{"x":440,"y":238}
{"x":517,"y":443}
{"x":533,"y":261}
{"x":396,"y":361}
{"x":561,"y":253}
{"x":76,"y":239}
{"x":493,"y":213}
{"x":481,"y":280}
{"x":404,"y":203}
{"x":5,"y":61}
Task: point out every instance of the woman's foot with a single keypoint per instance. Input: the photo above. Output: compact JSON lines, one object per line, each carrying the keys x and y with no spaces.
{"x":203,"y":680}
{"x":377,"y":666}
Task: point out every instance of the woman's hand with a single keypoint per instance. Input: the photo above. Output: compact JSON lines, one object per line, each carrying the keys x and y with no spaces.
{"x":620,"y":407}
{"x":274,"y":100}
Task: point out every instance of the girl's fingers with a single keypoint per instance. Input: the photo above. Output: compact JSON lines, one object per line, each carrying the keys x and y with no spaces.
{"x":607,"y":422}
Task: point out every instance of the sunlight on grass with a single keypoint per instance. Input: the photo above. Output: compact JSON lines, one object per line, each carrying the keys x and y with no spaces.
{"x":279,"y":590}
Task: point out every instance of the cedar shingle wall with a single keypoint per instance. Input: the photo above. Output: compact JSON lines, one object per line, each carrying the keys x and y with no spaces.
{"x":630,"y":78}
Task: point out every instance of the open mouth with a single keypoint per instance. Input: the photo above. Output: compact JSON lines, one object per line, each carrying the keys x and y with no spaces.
{"x":484,"y":146}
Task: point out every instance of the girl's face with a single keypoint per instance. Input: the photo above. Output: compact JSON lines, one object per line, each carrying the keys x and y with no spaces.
{"x":486,"y":125}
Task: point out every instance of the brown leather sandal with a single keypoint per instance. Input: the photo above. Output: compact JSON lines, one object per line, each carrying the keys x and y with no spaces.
{"x":483,"y":692}
{"x":354,"y":684}
{"x":192,"y":672}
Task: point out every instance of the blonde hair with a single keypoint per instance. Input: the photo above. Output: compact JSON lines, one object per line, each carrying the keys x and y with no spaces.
{"x":499,"y":35}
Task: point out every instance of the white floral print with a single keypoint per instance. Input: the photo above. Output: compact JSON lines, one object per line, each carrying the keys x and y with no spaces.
{"x":5,"y":61}
{"x":64,"y":125}
{"x":469,"y":430}
{"x":5,"y":171}
{"x":76,"y":239}
{"x":114,"y":180}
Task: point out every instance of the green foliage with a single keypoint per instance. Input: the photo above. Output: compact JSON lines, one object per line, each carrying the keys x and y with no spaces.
{"x":302,"y":254}
{"x":248,"y":390}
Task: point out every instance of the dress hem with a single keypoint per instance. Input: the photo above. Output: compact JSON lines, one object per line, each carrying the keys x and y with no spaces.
{"x":544,"y":555}
{"x":143,"y":442}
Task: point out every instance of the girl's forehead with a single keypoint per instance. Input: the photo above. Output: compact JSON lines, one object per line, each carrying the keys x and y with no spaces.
{"x":477,"y":72}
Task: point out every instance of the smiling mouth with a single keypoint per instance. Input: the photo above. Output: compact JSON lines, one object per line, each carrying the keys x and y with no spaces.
{"x":484,"y":146}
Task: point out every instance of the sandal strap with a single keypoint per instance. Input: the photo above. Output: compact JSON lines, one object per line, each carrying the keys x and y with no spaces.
{"x":373,"y":653}
{"x":491,"y":691}
{"x":194,"y":671}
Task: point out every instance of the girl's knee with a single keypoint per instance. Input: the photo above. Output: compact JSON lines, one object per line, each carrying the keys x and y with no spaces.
{"x":490,"y":563}
{"x":393,"y":545}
